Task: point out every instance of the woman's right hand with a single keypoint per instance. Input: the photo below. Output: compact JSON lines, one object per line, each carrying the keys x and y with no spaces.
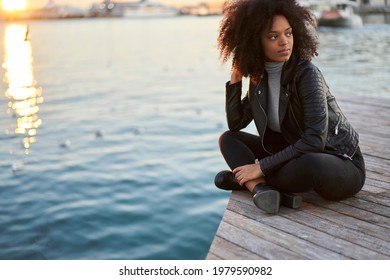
{"x":235,"y":76}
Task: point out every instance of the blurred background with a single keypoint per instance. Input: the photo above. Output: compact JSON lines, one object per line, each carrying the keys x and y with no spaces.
{"x":110,"y":113}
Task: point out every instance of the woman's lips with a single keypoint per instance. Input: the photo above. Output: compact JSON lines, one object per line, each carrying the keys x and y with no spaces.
{"x":284,"y":52}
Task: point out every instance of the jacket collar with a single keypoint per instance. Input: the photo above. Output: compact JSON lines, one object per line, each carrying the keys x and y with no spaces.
{"x":289,"y":69}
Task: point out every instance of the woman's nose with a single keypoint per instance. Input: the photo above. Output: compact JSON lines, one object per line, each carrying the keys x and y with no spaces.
{"x":283,"y":41}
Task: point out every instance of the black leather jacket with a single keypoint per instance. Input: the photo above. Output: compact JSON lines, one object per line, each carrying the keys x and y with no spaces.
{"x":311,"y":120}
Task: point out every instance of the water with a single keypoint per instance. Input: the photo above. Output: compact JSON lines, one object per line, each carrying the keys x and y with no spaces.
{"x":109,"y":132}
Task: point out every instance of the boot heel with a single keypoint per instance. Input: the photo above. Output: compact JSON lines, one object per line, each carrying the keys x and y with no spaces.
{"x":291,"y":200}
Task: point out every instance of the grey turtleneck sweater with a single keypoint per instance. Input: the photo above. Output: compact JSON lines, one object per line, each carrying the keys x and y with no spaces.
{"x":274,"y":70}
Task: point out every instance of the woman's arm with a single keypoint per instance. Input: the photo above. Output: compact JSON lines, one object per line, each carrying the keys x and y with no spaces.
{"x":238,"y":111}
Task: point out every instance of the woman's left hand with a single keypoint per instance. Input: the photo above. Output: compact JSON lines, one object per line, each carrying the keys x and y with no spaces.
{"x":248,"y":172}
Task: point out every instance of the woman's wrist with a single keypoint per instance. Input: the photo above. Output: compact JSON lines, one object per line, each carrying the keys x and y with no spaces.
{"x":234,"y":80}
{"x":235,"y":77}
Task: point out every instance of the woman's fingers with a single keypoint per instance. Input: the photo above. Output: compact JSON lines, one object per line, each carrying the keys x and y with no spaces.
{"x":247,"y":172}
{"x":239,"y":174}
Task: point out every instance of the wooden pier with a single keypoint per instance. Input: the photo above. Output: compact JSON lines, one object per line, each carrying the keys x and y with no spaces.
{"x":355,"y":228}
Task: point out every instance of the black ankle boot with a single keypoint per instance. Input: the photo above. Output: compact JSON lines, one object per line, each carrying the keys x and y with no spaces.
{"x":225,"y":180}
{"x":266,"y":198}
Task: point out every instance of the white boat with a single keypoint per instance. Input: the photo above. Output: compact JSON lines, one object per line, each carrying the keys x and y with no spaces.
{"x":339,"y":14}
{"x":140,"y":9}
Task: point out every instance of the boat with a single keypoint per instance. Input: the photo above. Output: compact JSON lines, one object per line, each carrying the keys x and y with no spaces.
{"x":338,"y":14}
{"x":105,"y":9}
{"x":140,"y":9}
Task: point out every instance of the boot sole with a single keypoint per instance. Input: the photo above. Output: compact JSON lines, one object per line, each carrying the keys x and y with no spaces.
{"x":268,"y":201}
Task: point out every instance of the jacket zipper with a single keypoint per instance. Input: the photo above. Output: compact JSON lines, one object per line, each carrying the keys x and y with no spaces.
{"x":265,"y":114}
{"x":336,"y":129}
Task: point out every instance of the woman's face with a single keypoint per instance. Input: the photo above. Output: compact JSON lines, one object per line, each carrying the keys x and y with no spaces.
{"x":278,"y":40}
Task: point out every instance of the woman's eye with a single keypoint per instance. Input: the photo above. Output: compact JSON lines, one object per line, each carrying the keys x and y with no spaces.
{"x":289,"y":34}
{"x":273,"y":37}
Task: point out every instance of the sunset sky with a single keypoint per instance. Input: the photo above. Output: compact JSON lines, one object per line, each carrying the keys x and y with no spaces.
{"x":87,"y":3}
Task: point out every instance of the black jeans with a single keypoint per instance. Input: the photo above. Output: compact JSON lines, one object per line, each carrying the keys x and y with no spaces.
{"x":332,"y":177}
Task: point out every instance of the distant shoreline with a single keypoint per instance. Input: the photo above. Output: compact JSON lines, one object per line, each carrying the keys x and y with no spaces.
{"x":361,"y":10}
{"x":373,"y":9}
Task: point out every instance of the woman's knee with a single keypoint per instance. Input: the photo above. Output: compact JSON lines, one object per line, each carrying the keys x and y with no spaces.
{"x":223,"y":136}
{"x":226,"y":137}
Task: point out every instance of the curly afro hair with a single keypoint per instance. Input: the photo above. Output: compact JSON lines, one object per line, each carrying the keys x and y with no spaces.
{"x":243,"y":23}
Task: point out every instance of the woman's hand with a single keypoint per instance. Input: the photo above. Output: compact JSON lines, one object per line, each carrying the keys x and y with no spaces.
{"x":248,"y":172}
{"x":235,"y":76}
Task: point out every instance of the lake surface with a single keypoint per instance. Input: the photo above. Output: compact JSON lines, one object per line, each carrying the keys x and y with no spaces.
{"x":109,"y":129}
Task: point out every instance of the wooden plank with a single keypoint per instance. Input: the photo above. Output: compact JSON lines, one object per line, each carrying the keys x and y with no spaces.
{"x":229,"y":251}
{"x":364,"y":203}
{"x":211,"y":256}
{"x":376,"y":163}
{"x":381,"y":198}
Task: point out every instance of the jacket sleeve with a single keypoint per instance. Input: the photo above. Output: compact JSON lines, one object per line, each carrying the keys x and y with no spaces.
{"x":311,"y":90}
{"x":238,"y":112}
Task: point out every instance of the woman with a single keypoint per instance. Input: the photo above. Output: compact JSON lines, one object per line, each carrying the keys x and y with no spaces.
{"x":304,"y":142}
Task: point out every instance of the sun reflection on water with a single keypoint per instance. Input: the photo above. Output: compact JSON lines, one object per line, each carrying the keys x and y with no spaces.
{"x":24,"y":96}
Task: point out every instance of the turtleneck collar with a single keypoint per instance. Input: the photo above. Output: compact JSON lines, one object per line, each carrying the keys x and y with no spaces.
{"x":273,"y":67}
